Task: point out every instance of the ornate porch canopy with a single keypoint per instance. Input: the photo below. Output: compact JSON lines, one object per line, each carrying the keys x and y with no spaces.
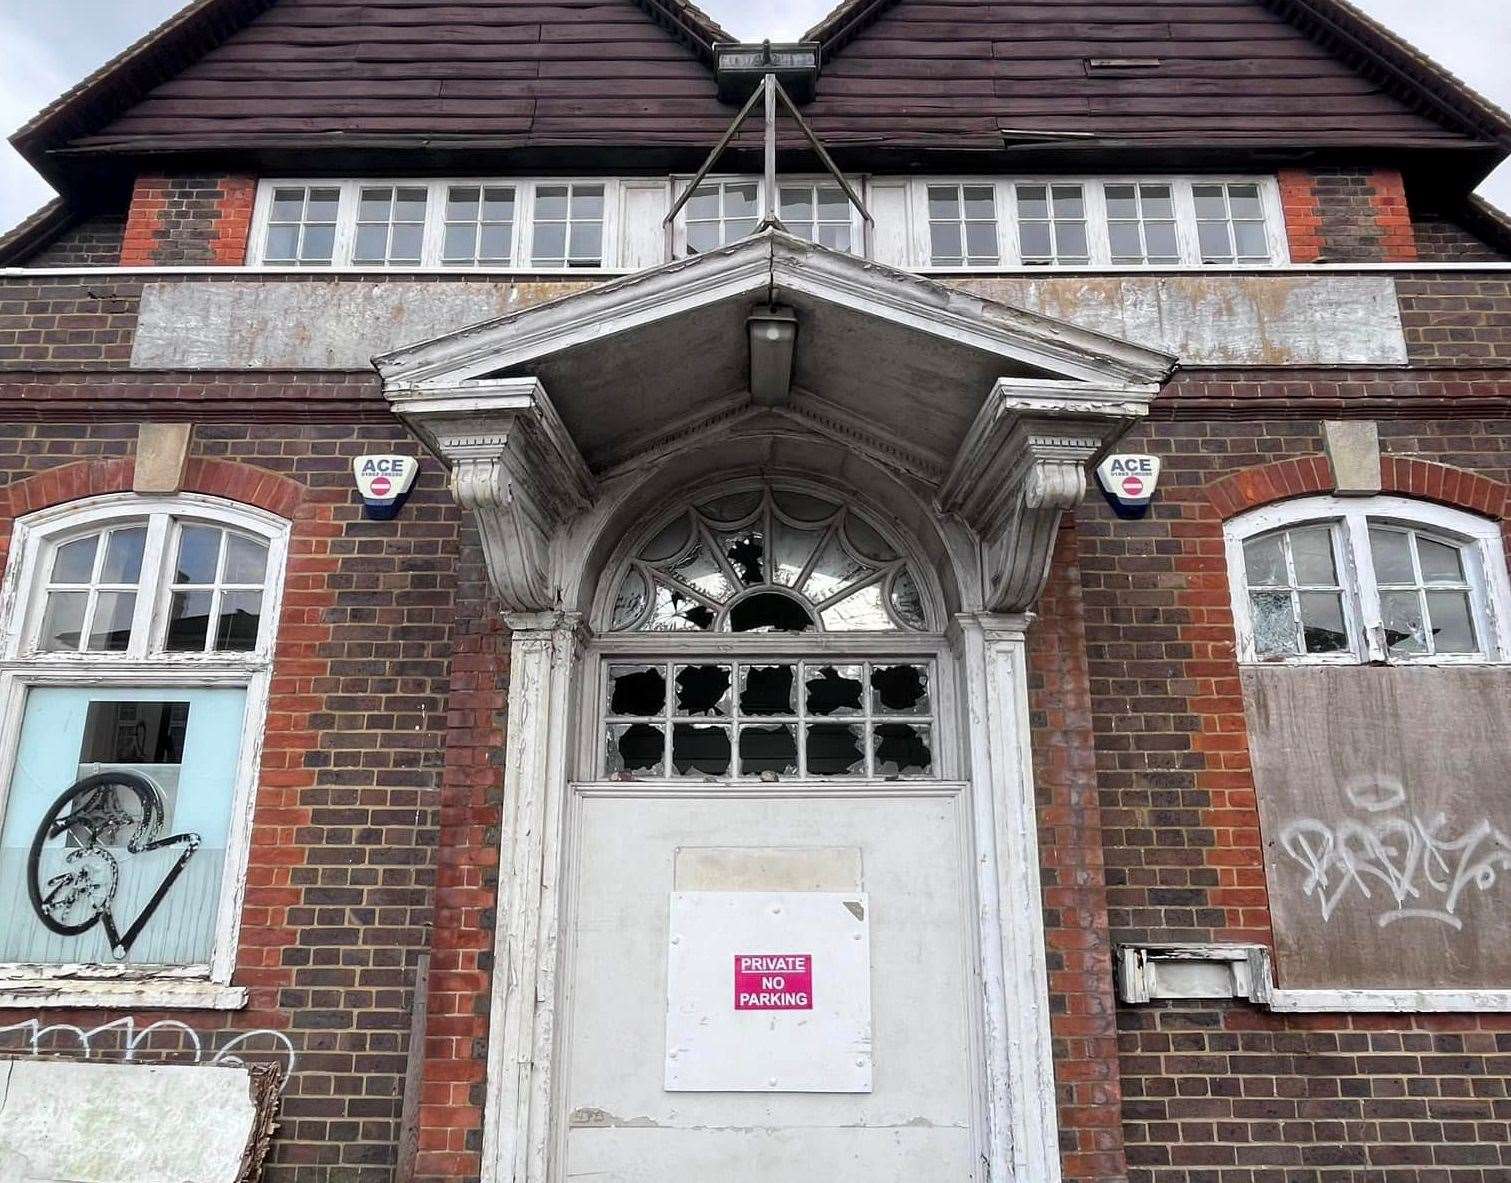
{"x":990,"y":413}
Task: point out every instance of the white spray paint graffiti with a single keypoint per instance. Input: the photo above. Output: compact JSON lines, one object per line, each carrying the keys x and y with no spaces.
{"x":228,"y":1053}
{"x":1421,"y":869}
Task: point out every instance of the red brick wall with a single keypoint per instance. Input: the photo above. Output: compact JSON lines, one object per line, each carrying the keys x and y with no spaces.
{"x":341,"y":878}
{"x":184,"y":221}
{"x":1081,"y":999}
{"x":1347,"y":215}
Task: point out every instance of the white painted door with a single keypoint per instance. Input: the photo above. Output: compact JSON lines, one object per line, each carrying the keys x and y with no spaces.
{"x":904,"y":843}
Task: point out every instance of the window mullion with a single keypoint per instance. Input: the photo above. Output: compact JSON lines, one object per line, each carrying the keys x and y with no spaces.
{"x":1364,"y":598}
{"x":144,"y":621}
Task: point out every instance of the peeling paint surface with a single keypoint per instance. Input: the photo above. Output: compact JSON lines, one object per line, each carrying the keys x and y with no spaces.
{"x":63,"y":1121}
{"x":1226,"y":319}
{"x":319,"y":325}
{"x":1220,"y":320}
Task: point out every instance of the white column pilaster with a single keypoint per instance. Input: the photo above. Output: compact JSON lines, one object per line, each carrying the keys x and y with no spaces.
{"x":1022,"y":1139}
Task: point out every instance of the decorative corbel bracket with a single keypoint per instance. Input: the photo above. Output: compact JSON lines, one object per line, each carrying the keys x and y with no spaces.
{"x":515,"y":466}
{"x":1022,"y":465}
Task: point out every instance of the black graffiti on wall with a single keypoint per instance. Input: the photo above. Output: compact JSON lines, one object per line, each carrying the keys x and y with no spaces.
{"x":101,"y":817}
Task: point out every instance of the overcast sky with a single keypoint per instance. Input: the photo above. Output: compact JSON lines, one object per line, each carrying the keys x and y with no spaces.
{"x":48,"y":45}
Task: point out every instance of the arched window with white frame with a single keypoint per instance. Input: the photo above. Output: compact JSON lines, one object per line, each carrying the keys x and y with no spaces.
{"x":1370,"y":579}
{"x":769,"y":632}
{"x":138,"y":649}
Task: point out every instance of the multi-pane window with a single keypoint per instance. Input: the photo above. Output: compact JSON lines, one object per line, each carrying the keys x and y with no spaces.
{"x":301,"y":227}
{"x":390,"y":225}
{"x":1381,"y":580}
{"x":479,"y":226}
{"x":1052,"y":224}
{"x":568,"y":225}
{"x":1230,"y":222}
{"x":135,"y":680}
{"x":963,"y":226}
{"x":1425,"y":595}
{"x":721,"y":212}
{"x":216,"y":588}
{"x":820,"y":213}
{"x":1141,"y":223}
{"x":769,"y":719}
{"x":1295,"y":593}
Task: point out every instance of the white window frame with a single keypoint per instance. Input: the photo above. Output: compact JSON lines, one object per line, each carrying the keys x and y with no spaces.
{"x":433,"y":242}
{"x":145,"y":665}
{"x":1484,"y":563}
{"x":680,"y":184}
{"x":1009,"y":243}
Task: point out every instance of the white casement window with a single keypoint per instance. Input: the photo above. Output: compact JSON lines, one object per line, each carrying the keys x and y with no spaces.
{"x":1231,"y":225}
{"x":540,"y":225}
{"x":975,"y":223}
{"x":479,"y":226}
{"x":390,"y":225}
{"x":963,"y":225}
{"x":1379,"y":579}
{"x":1052,"y":224}
{"x":726,"y":209}
{"x":820,"y":213}
{"x":137,"y":654}
{"x":300,"y":224}
{"x":1141,"y":223}
{"x":721,"y":212}
{"x":567,"y":228}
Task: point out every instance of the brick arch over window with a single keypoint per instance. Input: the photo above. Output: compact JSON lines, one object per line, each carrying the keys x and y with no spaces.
{"x":304,"y":627}
{"x":1405,"y":476}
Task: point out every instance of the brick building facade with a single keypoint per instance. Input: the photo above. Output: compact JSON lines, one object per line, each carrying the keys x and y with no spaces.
{"x":1122,"y":924}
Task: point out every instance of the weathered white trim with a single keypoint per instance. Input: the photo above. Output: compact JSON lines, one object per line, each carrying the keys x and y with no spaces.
{"x":522,"y":1122}
{"x":1253,"y":979}
{"x":1022,"y":1139}
{"x":1489,"y":586}
{"x":159,"y":994}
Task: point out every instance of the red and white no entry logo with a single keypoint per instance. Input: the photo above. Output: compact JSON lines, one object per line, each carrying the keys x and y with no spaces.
{"x":1132,"y":486}
{"x":381,"y":485}
{"x":773,"y":981}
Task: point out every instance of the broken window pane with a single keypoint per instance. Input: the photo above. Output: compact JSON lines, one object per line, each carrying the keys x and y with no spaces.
{"x":636,"y":747}
{"x":1274,"y":625}
{"x":903,"y":749}
{"x":746,"y":552}
{"x":771,"y":748}
{"x":1391,"y":551}
{"x":676,"y":611}
{"x":700,"y":749}
{"x":835,"y":690}
{"x":900,"y":689}
{"x":701,"y":572}
{"x":834,"y":570}
{"x":791,"y":549}
{"x":767,"y":690}
{"x":703,"y":690}
{"x":1322,"y":622}
{"x":836,"y":749}
{"x":1452,"y":625}
{"x":769,"y":612}
{"x":637,"y":690}
{"x":1264,"y":561}
{"x":1401,"y":613}
{"x":1312,"y":554}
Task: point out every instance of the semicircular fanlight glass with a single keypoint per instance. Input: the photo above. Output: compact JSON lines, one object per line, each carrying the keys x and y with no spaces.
{"x":769,"y":560}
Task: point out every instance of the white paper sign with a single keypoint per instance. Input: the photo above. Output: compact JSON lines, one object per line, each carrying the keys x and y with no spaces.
{"x":769,"y":992}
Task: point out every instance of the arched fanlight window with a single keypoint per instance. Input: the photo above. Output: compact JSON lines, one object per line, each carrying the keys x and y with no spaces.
{"x":768,"y":560}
